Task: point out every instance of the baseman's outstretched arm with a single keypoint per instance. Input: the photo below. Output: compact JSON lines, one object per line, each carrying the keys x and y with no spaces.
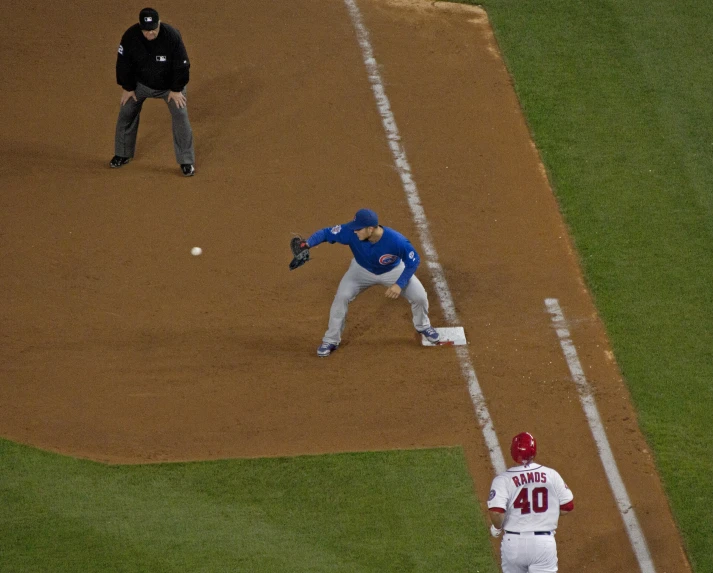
{"x":334,"y":234}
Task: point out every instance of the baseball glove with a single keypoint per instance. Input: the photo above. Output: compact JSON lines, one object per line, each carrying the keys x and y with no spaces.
{"x":300,"y":252}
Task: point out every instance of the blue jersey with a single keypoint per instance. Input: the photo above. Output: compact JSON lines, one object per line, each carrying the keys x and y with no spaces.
{"x":377,"y":258}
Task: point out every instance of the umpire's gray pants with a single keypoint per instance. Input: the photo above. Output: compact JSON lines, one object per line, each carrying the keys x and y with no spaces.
{"x":127,"y":126}
{"x":358,"y":279}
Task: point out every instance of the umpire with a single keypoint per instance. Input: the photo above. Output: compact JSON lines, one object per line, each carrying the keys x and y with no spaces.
{"x":152,"y":63}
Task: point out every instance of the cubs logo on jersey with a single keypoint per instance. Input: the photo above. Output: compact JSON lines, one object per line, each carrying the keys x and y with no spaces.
{"x":387,"y":259}
{"x":335,"y":230}
{"x":412,"y":255}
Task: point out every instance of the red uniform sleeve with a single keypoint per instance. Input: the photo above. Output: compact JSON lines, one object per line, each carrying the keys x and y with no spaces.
{"x":567,"y":506}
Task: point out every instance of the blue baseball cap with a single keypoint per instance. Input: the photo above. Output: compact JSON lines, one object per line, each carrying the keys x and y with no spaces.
{"x":364,"y":218}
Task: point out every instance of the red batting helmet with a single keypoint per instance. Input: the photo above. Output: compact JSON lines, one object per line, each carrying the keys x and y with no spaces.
{"x":523,"y":448}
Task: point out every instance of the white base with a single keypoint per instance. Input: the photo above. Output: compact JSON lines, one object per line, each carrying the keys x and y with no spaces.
{"x":450,"y":336}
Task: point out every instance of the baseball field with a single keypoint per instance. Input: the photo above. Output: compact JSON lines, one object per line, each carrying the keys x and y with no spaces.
{"x":551,"y":161}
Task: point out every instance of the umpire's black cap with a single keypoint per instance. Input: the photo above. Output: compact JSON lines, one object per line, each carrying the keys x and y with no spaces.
{"x":148,"y":19}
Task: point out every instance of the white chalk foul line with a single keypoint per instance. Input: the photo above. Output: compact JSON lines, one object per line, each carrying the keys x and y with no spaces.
{"x":633,"y":529}
{"x":628,"y":514}
{"x":419,"y":216}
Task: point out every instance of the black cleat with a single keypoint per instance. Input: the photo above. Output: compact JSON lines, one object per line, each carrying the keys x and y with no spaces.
{"x":118,"y":161}
{"x":188,"y":169}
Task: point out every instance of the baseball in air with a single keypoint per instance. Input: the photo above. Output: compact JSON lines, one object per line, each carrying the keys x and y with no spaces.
{"x":195,"y":251}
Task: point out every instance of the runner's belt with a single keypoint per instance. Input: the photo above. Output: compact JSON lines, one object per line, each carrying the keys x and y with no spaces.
{"x":526,"y":532}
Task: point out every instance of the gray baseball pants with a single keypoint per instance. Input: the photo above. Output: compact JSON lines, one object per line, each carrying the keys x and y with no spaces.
{"x":358,"y":279}
{"x":127,"y":126}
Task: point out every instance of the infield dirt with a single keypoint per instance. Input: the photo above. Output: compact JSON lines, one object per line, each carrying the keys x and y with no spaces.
{"x":120,"y":346}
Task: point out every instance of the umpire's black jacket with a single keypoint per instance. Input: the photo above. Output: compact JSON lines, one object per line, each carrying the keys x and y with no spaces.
{"x":160,"y":64}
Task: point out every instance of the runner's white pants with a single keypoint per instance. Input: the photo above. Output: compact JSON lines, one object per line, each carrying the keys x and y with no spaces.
{"x":357,"y":279}
{"x":528,"y":553}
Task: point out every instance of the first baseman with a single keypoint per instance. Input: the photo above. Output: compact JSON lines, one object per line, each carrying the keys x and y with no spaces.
{"x":152,"y":63}
{"x":525,"y":503}
{"x":381,"y":256}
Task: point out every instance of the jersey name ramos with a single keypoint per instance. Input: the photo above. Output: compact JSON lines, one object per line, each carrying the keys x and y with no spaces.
{"x":377,"y":258}
{"x":531,"y":495}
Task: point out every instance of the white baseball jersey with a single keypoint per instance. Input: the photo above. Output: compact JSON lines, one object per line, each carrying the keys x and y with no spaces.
{"x":531,"y":496}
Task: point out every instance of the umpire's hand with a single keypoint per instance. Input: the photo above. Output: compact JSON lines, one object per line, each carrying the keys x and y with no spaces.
{"x":126,"y":96}
{"x":178,"y":98}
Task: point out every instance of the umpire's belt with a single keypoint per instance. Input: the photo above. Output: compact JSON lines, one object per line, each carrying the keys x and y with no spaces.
{"x":528,"y":532}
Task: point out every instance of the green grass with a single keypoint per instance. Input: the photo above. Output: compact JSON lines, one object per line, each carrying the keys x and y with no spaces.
{"x":618,"y":97}
{"x":370,"y":512}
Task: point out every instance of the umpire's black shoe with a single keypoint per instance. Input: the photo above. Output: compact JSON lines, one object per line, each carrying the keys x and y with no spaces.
{"x":118,"y":161}
{"x":188,"y":169}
